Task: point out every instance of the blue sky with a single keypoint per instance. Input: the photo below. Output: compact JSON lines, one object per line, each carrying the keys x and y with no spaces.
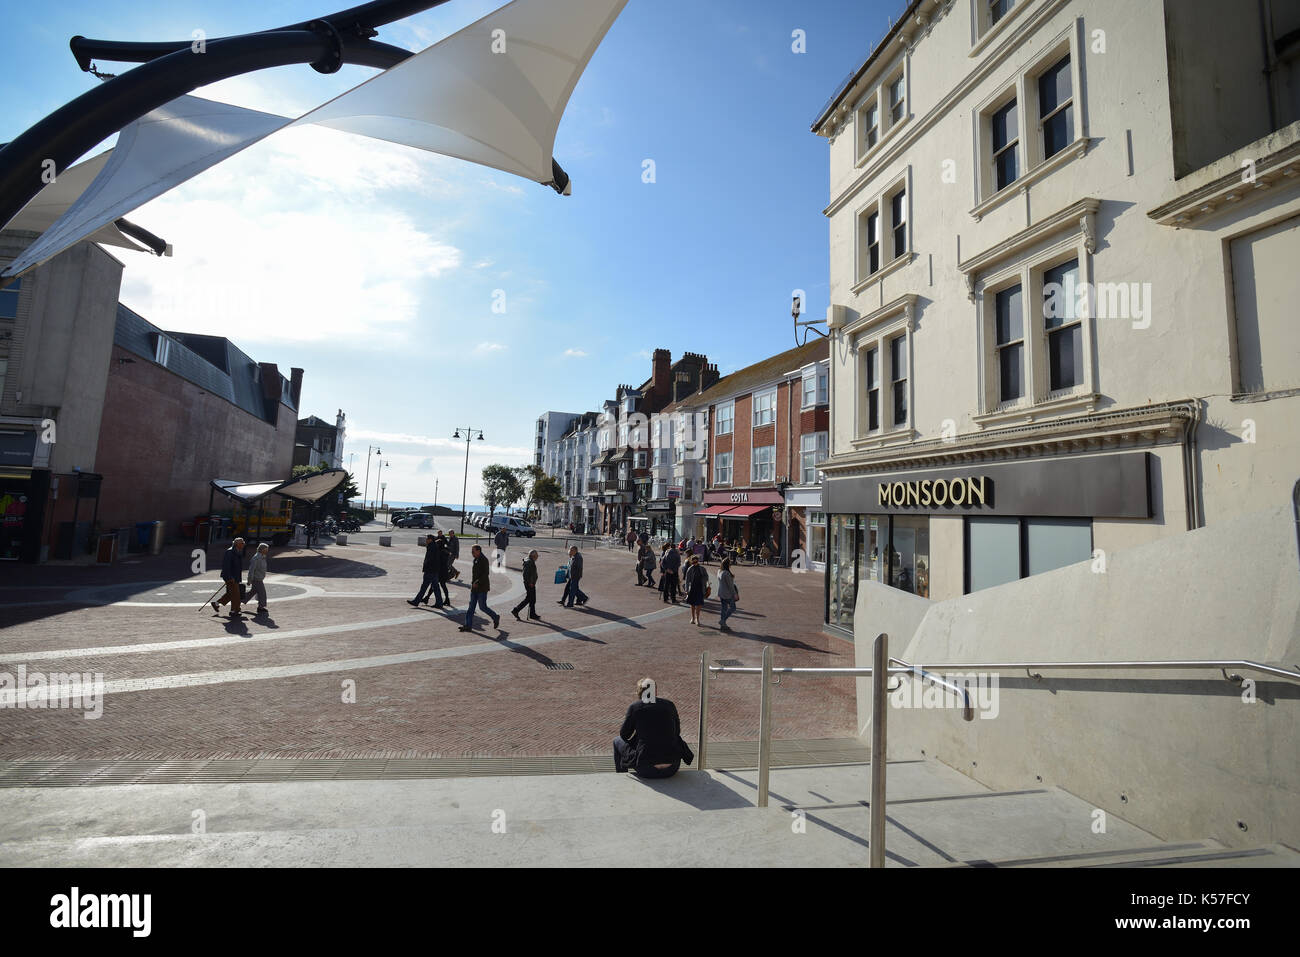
{"x":374,"y":267}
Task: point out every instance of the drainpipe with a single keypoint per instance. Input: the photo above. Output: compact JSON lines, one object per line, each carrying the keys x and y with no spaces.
{"x":1190,"y":475}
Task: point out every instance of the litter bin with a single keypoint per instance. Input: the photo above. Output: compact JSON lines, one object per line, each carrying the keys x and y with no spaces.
{"x":123,"y":541}
{"x":156,"y":537}
{"x":107,"y":549}
{"x":142,"y":532}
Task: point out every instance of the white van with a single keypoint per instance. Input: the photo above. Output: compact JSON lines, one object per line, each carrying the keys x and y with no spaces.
{"x":515,"y":526}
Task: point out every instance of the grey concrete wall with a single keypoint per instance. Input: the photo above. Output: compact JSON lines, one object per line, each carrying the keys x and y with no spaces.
{"x":61,"y":363}
{"x":1182,"y":755}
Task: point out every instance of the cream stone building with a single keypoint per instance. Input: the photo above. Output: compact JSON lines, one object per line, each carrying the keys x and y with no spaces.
{"x":1065,"y":286}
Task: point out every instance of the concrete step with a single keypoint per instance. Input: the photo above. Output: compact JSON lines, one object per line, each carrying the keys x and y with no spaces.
{"x":817,"y":816}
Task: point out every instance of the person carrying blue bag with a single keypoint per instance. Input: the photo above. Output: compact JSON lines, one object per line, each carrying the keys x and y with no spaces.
{"x":571,"y":590}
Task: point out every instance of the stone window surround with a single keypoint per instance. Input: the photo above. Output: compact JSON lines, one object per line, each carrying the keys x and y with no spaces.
{"x":880,"y":204}
{"x":1022,"y":259}
{"x":879,"y":95}
{"x":877,"y":329}
{"x":1023,"y":87}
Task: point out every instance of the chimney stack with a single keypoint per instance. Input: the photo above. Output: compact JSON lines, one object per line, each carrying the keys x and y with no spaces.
{"x":295,"y":385}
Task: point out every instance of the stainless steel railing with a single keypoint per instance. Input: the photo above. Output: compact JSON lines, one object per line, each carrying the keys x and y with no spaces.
{"x":884,"y":667}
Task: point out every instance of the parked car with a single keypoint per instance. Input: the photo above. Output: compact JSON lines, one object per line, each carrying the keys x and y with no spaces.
{"x":415,"y":520}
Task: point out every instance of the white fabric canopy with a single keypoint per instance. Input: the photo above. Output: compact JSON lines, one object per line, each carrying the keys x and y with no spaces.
{"x":308,"y":488}
{"x":492,"y":93}
{"x":155,"y":153}
{"x":56,"y":198}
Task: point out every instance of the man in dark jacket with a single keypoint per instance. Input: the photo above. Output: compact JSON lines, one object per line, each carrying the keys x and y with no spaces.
{"x":650,"y":741}
{"x":435,"y":563}
{"x":671,"y":566}
{"x":502,"y":540}
{"x":479,"y":589}
{"x":571,"y":589}
{"x":232,"y":568}
{"x":530,"y":589}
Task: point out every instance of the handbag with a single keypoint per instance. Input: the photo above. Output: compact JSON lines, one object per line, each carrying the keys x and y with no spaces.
{"x":708,"y":590}
{"x":561,"y":574}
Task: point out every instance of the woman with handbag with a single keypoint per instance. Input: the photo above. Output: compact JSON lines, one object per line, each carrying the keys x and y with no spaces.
{"x":728,"y":594}
{"x":697,"y":587}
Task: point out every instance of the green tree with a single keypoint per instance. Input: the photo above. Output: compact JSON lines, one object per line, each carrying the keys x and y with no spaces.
{"x":547,"y":491}
{"x":501,"y":488}
{"x":529,"y":476}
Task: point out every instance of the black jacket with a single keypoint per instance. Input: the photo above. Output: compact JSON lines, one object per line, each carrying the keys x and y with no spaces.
{"x":435,"y":556}
{"x":530,"y":572}
{"x":479,"y":576}
{"x":654,"y":734}
{"x":231,"y":565}
{"x":575,"y":568}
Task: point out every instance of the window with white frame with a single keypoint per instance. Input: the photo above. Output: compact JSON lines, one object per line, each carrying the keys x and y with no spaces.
{"x":813,"y":449}
{"x":898,"y":378}
{"x":687,"y":489}
{"x":816,"y":386}
{"x":817,"y":536}
{"x":722,"y":469}
{"x":871,"y":382}
{"x":1056,"y":107}
{"x":880,"y":111}
{"x":726,"y":418}
{"x":660,"y":457}
{"x":1036,"y":331}
{"x":764,"y":464}
{"x":897,"y":99}
{"x":9,"y":299}
{"x":1027,"y":122}
{"x":883,"y":237}
{"x":640,"y":460}
{"x":882,"y":343}
{"x":764,"y":408}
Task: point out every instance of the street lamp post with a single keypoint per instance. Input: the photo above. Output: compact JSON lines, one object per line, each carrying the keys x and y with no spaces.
{"x":380,"y":475}
{"x":365,"y":491}
{"x":464,"y":488}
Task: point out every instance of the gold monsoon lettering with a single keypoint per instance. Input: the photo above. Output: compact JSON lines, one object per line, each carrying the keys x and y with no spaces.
{"x":968,"y":491}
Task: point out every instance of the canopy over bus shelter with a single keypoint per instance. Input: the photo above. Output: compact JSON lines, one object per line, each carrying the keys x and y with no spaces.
{"x":308,"y":489}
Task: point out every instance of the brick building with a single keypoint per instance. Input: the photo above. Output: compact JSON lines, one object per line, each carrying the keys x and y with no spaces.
{"x":768,"y":427}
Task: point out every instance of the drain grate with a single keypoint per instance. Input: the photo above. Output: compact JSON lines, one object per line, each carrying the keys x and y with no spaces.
{"x":559,"y":666}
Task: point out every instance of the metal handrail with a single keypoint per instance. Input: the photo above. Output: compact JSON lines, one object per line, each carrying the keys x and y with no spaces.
{"x":885,"y":666}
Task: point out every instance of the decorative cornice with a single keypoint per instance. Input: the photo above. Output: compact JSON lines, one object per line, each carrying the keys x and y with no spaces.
{"x":1231,"y":189}
{"x":1148,"y":425}
{"x":905,"y":304}
{"x":1081,"y":213}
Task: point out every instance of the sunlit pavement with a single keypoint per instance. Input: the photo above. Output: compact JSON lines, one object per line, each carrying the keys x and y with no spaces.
{"x":343,"y":667}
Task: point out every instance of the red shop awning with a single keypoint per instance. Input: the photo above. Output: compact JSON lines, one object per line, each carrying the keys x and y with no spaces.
{"x":747,"y":511}
{"x":714,"y":510}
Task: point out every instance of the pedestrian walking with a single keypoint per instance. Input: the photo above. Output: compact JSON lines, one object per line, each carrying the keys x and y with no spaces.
{"x":697,"y":587}
{"x":257,"y":576}
{"x":670,"y":568}
{"x":572,"y":593}
{"x":231,"y":569}
{"x":478,"y":591}
{"x":530,"y":589}
{"x":502,"y":541}
{"x":435,"y":562}
{"x":645,"y":569}
{"x":453,"y":553}
{"x":728,"y":594}
{"x":631,"y":539}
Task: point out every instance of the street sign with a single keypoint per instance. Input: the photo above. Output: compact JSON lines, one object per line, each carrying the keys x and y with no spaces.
{"x":674,"y":491}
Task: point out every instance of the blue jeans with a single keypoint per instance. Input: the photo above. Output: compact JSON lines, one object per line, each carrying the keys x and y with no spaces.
{"x":478,"y":598}
{"x":572,"y":591}
{"x":728,"y":609}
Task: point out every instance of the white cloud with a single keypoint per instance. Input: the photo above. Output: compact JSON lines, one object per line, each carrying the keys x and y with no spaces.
{"x":419,"y":444}
{"x":300,"y":237}
{"x":484,"y":348}
{"x":574,"y":353}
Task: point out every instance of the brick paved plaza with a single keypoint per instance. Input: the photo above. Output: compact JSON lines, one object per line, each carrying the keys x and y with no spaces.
{"x":183,"y":683}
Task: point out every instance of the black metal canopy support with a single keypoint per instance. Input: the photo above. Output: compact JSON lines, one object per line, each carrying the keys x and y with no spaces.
{"x":170,"y":70}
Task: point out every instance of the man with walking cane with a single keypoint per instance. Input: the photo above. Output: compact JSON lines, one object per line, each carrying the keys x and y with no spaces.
{"x":231,"y":570}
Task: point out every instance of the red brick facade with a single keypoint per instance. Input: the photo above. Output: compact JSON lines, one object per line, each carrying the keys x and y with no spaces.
{"x":163,"y":439}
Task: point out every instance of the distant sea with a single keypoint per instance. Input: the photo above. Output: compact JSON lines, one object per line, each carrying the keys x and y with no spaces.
{"x":455,"y":508}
